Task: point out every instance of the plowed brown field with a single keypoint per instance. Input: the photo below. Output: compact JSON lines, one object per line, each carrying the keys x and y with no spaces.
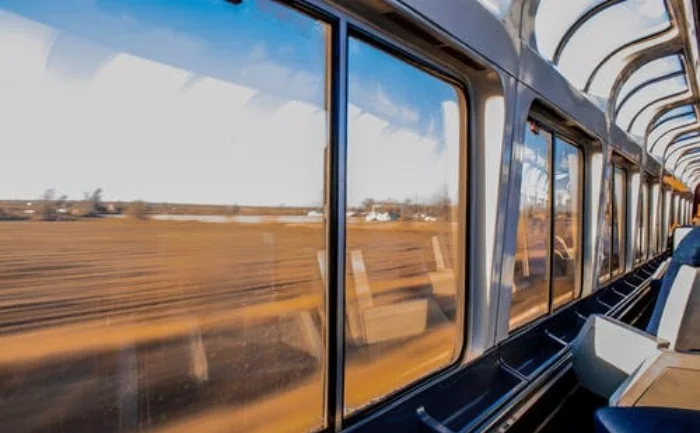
{"x":126,"y":325}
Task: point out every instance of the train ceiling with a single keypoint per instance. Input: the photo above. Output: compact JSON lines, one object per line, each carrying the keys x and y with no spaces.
{"x":637,"y":60}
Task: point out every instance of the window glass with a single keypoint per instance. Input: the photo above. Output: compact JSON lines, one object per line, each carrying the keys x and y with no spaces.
{"x":605,"y":241}
{"x":162,"y":216}
{"x":403,"y":239}
{"x":646,"y":219}
{"x":619,"y":194}
{"x":674,"y":210}
{"x":641,"y":227}
{"x":664,"y":219}
{"x":530,"y":297}
{"x":568,"y":198}
{"x":653,"y":221}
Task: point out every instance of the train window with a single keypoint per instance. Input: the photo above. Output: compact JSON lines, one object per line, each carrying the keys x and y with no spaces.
{"x":568,"y":199}
{"x":530,"y":298}
{"x":663,"y":218}
{"x":644,"y":242}
{"x":639,"y":229}
{"x":404,"y":223}
{"x":548,"y":251}
{"x":605,"y":240}
{"x":619,"y":196}
{"x":183,"y":292}
{"x":612,"y":233}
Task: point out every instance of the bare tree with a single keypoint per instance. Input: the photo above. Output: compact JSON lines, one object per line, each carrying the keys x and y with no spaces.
{"x":48,"y":205}
{"x":138,"y":209}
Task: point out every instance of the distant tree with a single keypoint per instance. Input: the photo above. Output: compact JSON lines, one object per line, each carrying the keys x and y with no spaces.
{"x":48,"y":205}
{"x":368,"y":204}
{"x":96,"y":200}
{"x":406,"y":208}
{"x":138,"y":209}
{"x":235,"y":209}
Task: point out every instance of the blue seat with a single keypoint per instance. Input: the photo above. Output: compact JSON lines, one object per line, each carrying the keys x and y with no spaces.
{"x":687,"y":253}
{"x":646,"y":420}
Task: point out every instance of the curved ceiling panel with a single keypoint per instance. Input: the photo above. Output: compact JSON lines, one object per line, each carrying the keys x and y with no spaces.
{"x":616,"y":24}
{"x":676,"y":152}
{"x":680,"y":138}
{"x":634,"y":59}
{"x":678,"y":111}
{"x":687,"y":158}
{"x":554,"y":18}
{"x":653,"y":71}
{"x":640,"y":98}
{"x":668,"y":127}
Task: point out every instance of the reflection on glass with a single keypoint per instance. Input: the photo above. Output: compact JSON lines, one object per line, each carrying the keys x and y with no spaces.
{"x":566,"y":260}
{"x":530,"y":297}
{"x":667,"y":218}
{"x":642,"y":224}
{"x":605,"y":240}
{"x":161,"y":213}
{"x":661,"y":241}
{"x":653,"y":219}
{"x":403,"y":249}
{"x":646,"y":220}
{"x":619,"y":194}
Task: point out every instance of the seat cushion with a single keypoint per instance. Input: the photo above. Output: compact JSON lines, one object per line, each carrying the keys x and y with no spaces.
{"x":687,"y":253}
{"x":646,"y":420}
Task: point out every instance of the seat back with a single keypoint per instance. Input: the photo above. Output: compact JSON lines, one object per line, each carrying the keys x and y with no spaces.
{"x":677,"y":306}
{"x":679,"y":234}
{"x":688,"y":254}
{"x":606,"y":352}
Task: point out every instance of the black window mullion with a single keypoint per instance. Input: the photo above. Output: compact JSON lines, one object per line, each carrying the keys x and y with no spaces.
{"x":336,"y":199}
{"x":611,"y":197}
{"x":550,"y":234}
{"x":614,"y":245}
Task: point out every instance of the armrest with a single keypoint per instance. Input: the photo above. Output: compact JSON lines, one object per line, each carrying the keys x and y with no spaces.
{"x":606,"y":352}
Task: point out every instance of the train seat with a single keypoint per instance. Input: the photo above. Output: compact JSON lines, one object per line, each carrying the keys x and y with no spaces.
{"x":646,"y":420}
{"x":687,"y":254}
{"x":607,"y":352}
{"x":679,"y":233}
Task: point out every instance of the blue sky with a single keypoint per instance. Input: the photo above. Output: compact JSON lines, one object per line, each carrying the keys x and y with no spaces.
{"x":201,"y":101}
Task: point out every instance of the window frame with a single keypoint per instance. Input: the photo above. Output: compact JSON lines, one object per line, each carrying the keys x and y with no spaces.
{"x":622,"y":240}
{"x":617,"y":163}
{"x":414,"y":57}
{"x":542,"y":121}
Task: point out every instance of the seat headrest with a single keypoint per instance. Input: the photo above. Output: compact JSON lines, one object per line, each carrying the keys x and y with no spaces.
{"x":688,"y":251}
